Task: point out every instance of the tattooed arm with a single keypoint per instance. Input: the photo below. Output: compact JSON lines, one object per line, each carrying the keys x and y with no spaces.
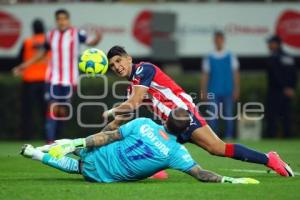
{"x":102,"y":138}
{"x":204,"y":175}
{"x":66,"y":146}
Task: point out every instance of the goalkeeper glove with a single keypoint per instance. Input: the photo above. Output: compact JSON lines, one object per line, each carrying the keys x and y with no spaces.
{"x":226,"y":179}
{"x":64,"y":147}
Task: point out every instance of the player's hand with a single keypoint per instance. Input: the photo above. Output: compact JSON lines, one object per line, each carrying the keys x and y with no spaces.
{"x":59,"y":151}
{"x":66,"y":146}
{"x":18,"y":70}
{"x":108,"y":113}
{"x":289,"y":92}
{"x":239,"y":180}
{"x":98,"y":36}
{"x":236,"y":95}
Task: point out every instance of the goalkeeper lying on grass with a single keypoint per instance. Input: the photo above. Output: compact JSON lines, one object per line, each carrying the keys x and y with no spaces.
{"x":133,"y":152}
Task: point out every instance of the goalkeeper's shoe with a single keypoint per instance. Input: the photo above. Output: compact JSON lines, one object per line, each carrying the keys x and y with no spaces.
{"x":27,"y":150}
{"x":278,"y":165}
{"x":239,"y":180}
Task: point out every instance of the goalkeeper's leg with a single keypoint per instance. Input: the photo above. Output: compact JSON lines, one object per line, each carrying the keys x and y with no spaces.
{"x":66,"y":164}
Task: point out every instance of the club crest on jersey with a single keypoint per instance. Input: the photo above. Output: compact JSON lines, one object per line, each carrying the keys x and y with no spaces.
{"x":139,"y":70}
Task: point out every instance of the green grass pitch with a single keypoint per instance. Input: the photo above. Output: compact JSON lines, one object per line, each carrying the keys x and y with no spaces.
{"x":22,"y":178}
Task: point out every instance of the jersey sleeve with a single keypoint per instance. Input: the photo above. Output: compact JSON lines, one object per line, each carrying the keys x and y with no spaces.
{"x":129,"y":128}
{"x":205,"y":65}
{"x":235,"y":62}
{"x":182,"y":160}
{"x":144,"y":75}
{"x":82,"y":36}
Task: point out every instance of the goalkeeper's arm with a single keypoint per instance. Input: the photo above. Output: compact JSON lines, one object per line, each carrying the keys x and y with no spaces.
{"x":96,"y":140}
{"x":208,"y":176}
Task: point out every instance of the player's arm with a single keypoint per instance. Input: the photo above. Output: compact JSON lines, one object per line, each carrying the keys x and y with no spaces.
{"x":204,"y":79}
{"x":204,"y":175}
{"x":100,"y":139}
{"x":236,"y":78}
{"x":211,"y":177}
{"x":88,"y":40}
{"x":128,"y":106}
{"x":41,"y":54}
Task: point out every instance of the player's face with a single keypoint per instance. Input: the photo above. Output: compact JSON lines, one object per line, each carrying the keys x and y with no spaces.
{"x":121,"y":65}
{"x":273,"y":46}
{"x":219,"y":42}
{"x":62,"y":22}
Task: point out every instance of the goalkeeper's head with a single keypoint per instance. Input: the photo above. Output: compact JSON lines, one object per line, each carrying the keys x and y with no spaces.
{"x":178,"y":121}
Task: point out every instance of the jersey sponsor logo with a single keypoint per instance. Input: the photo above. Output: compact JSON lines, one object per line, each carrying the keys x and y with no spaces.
{"x":147,"y":131}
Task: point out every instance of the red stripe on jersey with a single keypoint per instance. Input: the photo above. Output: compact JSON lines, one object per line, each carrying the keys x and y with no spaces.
{"x":72,"y":56}
{"x":194,"y":110}
{"x":51,"y":61}
{"x":161,"y":98}
{"x":157,"y":112}
{"x":164,"y":80}
{"x":60,"y":56}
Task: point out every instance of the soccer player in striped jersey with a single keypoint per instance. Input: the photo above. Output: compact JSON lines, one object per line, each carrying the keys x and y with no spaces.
{"x":149,"y":84}
{"x":62,"y":72}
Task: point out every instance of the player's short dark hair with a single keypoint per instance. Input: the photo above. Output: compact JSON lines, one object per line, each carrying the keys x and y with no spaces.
{"x":38,"y":26}
{"x":219,"y":33}
{"x":178,"y":121}
{"x":274,"y":38}
{"x":116,"y":51}
{"x":62,"y":12}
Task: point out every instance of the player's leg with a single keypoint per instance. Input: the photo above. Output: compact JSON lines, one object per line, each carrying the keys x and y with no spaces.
{"x":228,"y":114}
{"x":272,"y":114}
{"x":286,"y":113}
{"x":61,"y":94}
{"x":208,"y":140}
{"x":66,"y":164}
{"x":213,"y":108}
{"x":51,"y":123}
{"x":27,"y":95}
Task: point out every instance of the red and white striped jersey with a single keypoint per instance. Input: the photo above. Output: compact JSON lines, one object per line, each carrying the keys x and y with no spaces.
{"x":62,"y":68}
{"x":163,"y":94}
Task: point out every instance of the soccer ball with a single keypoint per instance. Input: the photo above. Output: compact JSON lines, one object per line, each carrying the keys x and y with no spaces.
{"x":93,"y":61}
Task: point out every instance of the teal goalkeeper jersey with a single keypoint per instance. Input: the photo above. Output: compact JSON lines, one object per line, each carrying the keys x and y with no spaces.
{"x":145,"y":148}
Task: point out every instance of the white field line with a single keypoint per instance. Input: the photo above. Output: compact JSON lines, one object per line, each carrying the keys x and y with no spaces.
{"x":256,"y":171}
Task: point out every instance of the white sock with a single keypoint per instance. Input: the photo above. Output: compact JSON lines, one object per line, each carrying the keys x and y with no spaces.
{"x":37,"y":155}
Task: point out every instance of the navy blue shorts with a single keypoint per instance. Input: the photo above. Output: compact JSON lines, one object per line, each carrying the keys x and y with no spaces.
{"x":197,"y":121}
{"x":58,"y":93}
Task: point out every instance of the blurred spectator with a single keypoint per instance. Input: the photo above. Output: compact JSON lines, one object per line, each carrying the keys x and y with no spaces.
{"x":220,"y":84}
{"x":282,"y":81}
{"x":33,"y":85}
{"x":62,"y":73}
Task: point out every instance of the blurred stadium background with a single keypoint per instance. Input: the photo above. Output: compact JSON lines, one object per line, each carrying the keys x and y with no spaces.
{"x":176,"y":35}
